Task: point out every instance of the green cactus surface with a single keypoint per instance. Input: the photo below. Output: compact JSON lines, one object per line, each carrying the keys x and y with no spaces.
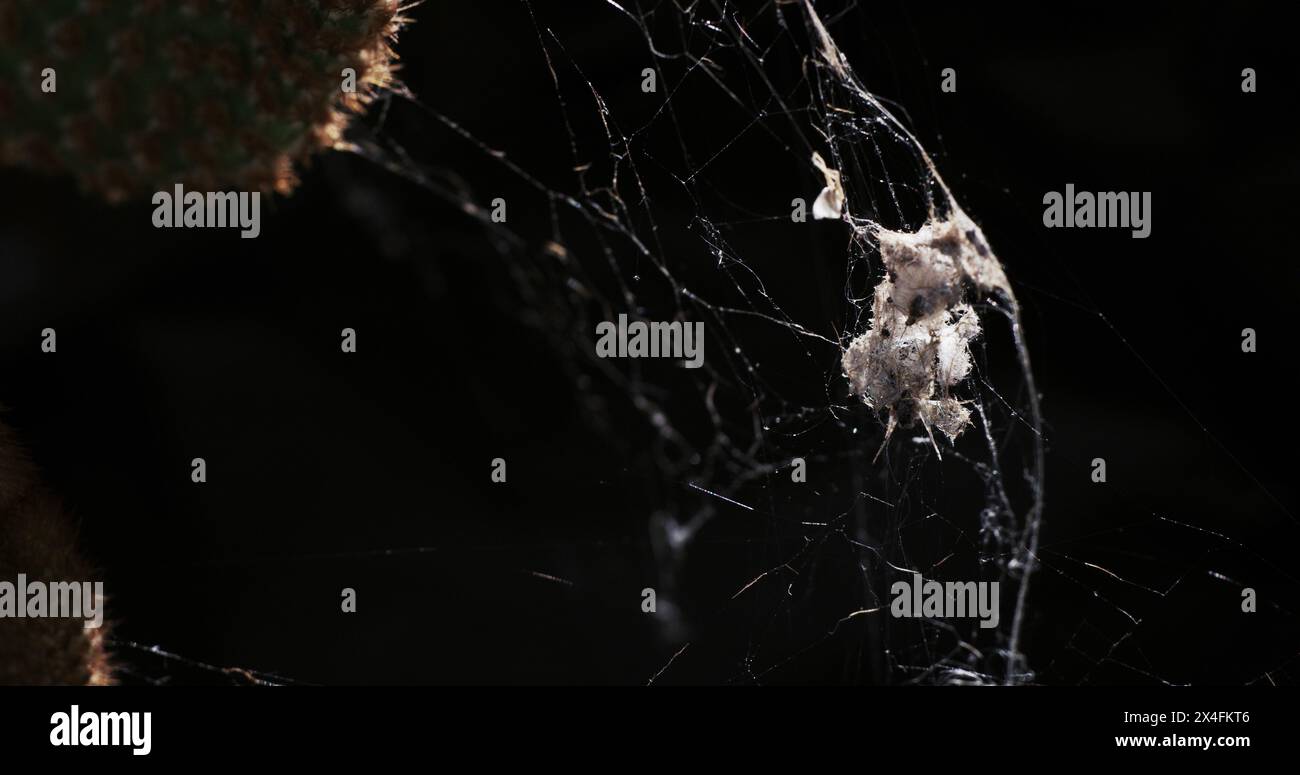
{"x":207,"y":93}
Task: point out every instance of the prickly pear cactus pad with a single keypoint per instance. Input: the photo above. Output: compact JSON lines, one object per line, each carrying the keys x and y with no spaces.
{"x":132,"y":97}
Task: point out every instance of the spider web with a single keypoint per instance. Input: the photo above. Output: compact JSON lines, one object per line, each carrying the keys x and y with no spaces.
{"x":722,"y":440}
{"x":659,"y":218}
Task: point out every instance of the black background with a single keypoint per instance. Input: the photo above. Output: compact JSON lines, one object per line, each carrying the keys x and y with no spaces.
{"x":176,"y":344}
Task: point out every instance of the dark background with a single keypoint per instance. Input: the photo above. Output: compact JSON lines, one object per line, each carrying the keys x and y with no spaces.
{"x":371,"y":470}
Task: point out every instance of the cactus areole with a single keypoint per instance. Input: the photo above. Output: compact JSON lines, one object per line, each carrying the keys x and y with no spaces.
{"x":132,"y":97}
